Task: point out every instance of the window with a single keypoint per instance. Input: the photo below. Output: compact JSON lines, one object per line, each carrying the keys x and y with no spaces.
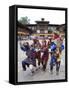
{"x":38,"y":31}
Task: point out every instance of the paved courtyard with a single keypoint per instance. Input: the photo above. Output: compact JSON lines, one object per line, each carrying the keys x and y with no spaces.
{"x":39,"y":74}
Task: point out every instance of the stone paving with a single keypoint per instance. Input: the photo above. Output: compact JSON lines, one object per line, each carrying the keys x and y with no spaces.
{"x":39,"y":75}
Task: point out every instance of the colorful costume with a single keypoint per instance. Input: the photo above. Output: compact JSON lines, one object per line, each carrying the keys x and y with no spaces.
{"x":31,"y":55}
{"x":45,"y":57}
{"x":53,"y":60}
{"x":37,"y":47}
{"x":53,"y":46}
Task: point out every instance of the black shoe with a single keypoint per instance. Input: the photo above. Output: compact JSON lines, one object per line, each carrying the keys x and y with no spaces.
{"x":24,"y":69}
{"x":32,"y":71}
{"x":44,"y":67}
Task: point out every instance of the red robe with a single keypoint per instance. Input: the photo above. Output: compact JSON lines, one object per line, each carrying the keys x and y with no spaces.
{"x":45,"y":54}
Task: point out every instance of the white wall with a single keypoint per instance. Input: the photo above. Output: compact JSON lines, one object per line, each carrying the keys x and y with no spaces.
{"x":4,"y":44}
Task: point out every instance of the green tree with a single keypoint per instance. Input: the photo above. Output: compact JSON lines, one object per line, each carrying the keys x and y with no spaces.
{"x":24,"y":20}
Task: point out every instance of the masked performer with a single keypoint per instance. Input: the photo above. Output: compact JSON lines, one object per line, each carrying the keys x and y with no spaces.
{"x":55,"y":60}
{"x":30,"y":53}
